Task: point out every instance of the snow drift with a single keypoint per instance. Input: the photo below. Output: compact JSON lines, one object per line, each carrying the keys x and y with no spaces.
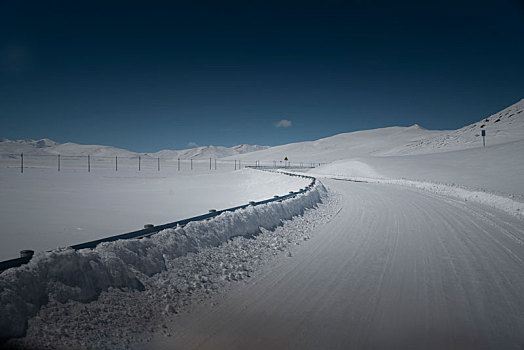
{"x":82,"y":275}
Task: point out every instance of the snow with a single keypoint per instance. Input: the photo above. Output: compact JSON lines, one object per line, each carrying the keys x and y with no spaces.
{"x":491,"y":176}
{"x":49,"y":147}
{"x":502,"y":127}
{"x":66,"y":275}
{"x":452,"y":163}
{"x":203,"y":152}
{"x":43,"y":209}
{"x":342,"y":146}
{"x":396,"y":268}
{"x":425,"y":252}
{"x":495,"y":168}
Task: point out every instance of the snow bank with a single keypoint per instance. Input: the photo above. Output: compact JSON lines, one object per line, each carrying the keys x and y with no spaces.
{"x":506,"y":204}
{"x":72,"y":207}
{"x":65,"y":274}
{"x":351,"y":168}
{"x":490,"y":176}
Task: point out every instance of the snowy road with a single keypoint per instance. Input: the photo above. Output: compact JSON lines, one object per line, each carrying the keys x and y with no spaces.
{"x":396,"y":268}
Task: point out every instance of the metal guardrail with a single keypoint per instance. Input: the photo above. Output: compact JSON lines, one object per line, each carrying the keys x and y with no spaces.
{"x":148,"y":230}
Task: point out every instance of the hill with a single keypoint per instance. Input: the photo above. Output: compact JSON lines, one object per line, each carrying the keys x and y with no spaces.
{"x":50,"y":147}
{"x":502,"y":127}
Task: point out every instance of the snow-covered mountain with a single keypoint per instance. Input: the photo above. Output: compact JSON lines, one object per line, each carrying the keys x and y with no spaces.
{"x":50,"y":147}
{"x":208,"y":152}
{"x":502,"y":127}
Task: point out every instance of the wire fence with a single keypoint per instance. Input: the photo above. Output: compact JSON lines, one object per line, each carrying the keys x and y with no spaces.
{"x":90,"y":163}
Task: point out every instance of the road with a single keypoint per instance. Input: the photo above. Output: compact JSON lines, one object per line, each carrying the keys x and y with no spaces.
{"x":395,"y":269}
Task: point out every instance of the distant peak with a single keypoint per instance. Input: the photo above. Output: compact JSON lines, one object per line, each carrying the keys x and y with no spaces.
{"x":44,"y":143}
{"x":416,"y":127}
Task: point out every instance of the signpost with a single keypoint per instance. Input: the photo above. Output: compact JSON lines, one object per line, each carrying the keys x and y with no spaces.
{"x":484,"y":138}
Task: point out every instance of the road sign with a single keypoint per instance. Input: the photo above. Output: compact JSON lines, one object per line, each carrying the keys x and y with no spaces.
{"x":483,"y":132}
{"x":483,"y":138}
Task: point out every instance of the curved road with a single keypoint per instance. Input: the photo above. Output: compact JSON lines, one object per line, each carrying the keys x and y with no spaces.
{"x":395,"y":269}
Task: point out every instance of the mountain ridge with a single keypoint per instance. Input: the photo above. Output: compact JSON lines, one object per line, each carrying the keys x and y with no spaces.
{"x":502,"y":127}
{"x":49,"y":147}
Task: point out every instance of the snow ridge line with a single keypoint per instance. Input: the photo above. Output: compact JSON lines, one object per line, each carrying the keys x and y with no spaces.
{"x":82,"y":275}
{"x":505,"y":204}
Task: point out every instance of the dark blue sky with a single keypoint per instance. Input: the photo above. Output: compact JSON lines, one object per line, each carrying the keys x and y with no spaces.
{"x":150,"y":75}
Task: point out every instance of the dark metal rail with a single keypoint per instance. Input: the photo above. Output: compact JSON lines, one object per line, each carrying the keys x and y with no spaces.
{"x":149,"y":230}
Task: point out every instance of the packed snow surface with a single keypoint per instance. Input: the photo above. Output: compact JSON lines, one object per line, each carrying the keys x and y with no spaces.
{"x":396,"y":268}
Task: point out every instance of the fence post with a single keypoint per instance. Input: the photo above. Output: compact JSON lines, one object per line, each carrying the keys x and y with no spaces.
{"x":178,"y":164}
{"x":235,"y":164}
{"x":88,"y":163}
{"x":215,"y":164}
{"x":116,"y":163}
{"x":191,"y":163}
{"x":158,"y":160}
{"x":139,"y":159}
{"x":59,"y":162}
{"x":210,"y":163}
{"x":22,"y":163}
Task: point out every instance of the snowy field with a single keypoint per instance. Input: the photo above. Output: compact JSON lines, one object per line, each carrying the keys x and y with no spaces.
{"x":43,"y":209}
{"x":411,"y":238}
{"x":139,"y":284}
{"x":496,"y":168}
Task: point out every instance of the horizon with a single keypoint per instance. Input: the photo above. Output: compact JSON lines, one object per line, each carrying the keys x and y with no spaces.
{"x":174,"y":75}
{"x":2,"y":139}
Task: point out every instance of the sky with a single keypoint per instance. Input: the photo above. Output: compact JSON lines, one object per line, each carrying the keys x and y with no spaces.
{"x":152,"y":75}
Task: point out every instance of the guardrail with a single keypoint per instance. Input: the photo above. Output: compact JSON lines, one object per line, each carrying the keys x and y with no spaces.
{"x":148,"y":230}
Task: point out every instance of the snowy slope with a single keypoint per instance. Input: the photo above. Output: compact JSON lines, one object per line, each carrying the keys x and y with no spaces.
{"x":496,"y":169}
{"x":208,"y":152}
{"x":502,"y":127}
{"x":49,"y":147}
{"x":454,"y":164}
{"x":347,"y":145}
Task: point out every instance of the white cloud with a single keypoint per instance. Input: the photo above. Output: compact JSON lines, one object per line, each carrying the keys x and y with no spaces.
{"x":192,"y":144}
{"x":284,"y":123}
